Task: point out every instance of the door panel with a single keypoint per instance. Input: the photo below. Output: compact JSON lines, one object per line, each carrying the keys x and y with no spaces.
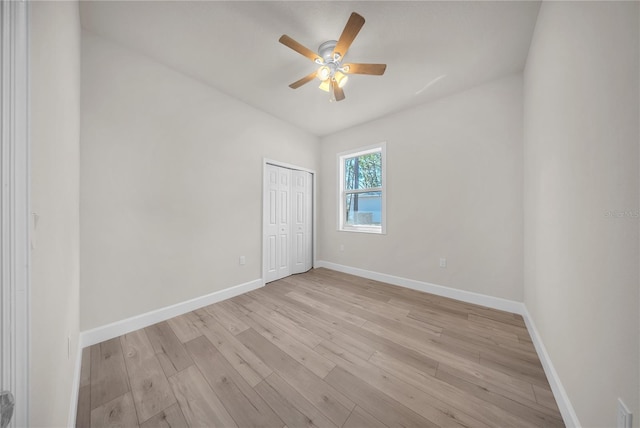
{"x":299,"y":249}
{"x":302,"y":221}
{"x":271,"y":226}
{"x":284,"y":225}
{"x":272,"y":207}
{"x":277,"y":223}
{"x":271,"y":255}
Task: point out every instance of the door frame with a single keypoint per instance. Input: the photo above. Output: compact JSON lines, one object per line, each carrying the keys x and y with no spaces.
{"x":265,"y":162}
{"x":15,"y":207}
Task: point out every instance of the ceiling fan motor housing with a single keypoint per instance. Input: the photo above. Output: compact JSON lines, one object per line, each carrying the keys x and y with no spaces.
{"x":326,"y":51}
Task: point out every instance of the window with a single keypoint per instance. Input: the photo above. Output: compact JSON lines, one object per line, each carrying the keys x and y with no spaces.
{"x":362,"y":190}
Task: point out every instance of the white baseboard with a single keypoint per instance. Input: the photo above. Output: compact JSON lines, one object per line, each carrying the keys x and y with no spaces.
{"x":440,"y":290}
{"x":564,"y":404}
{"x":118,"y":328}
{"x":560,"y":394}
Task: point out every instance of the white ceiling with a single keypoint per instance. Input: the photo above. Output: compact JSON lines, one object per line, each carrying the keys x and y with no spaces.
{"x":431,"y":49}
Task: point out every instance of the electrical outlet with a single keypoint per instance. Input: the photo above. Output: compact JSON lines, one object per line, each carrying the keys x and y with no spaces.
{"x":624,"y":415}
{"x":443,"y":263}
{"x":242,"y":260}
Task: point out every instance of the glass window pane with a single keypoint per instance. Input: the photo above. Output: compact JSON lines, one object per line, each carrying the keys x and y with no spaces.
{"x":363,"y":209}
{"x":363,"y":172}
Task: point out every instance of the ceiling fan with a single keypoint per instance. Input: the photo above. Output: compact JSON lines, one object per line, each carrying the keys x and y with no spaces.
{"x":333,"y":73}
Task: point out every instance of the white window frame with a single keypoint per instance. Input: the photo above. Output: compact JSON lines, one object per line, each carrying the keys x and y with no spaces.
{"x":342,"y":227}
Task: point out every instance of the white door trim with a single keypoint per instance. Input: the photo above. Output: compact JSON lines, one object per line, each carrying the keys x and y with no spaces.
{"x":14,"y":206}
{"x":266,"y":162}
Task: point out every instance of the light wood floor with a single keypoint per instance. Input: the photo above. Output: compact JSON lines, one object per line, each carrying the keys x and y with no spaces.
{"x":321,"y":349}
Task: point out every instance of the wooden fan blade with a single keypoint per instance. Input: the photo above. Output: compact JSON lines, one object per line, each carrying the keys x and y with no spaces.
{"x":375,"y":69}
{"x":351,"y":30}
{"x":338,"y":93}
{"x":306,"y":79}
{"x":302,"y":50}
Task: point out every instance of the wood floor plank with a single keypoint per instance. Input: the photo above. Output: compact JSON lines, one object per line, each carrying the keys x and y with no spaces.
{"x":329,"y":401}
{"x":398,"y":323}
{"x":319,"y":365}
{"x":250,"y":367}
{"x":316,"y":313}
{"x":233,"y":308}
{"x":168,"y":348}
{"x":361,"y":419}
{"x":170,"y":417}
{"x":521,"y":372}
{"x":378,"y":404}
{"x":322,"y":349}
{"x":488,"y":345}
{"x":534,"y":413}
{"x":423,"y":345}
{"x":200,"y":406}
{"x":185,"y":326}
{"x":149,"y":386}
{"x":303,"y":297}
{"x":286,"y":324}
{"x":500,"y":382}
{"x":518,"y":330}
{"x":226,"y":318}
{"x":119,"y":412}
{"x":426,"y":405}
{"x":544,"y":397}
{"x":387,"y":362}
{"x":352,"y":297}
{"x":244,"y":405}
{"x":477,"y":408}
{"x":326,"y":331}
{"x":292,"y":408}
{"x":384,"y":344}
{"x":109,"y":378}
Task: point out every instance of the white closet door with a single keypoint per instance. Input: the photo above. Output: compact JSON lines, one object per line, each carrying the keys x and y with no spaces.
{"x":277,"y":214}
{"x":288,"y":222}
{"x":301,"y":204}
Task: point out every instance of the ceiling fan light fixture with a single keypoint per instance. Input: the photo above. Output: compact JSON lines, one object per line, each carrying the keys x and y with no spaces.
{"x":340,"y":78}
{"x":324,"y":73}
{"x":325,"y":85}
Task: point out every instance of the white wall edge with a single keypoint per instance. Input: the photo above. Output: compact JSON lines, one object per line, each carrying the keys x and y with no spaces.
{"x":15,"y":206}
{"x":118,"y":328}
{"x":75,"y":388}
{"x":440,"y":290}
{"x":560,"y":394}
{"x":564,"y":404}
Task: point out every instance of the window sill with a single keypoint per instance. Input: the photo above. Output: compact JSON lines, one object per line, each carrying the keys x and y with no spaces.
{"x":372,"y":230}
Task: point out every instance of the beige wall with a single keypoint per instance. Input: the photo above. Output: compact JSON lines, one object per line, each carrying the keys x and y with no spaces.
{"x":171,"y":184}
{"x":581,"y":161}
{"x":454,"y":177}
{"x":55,"y":128}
